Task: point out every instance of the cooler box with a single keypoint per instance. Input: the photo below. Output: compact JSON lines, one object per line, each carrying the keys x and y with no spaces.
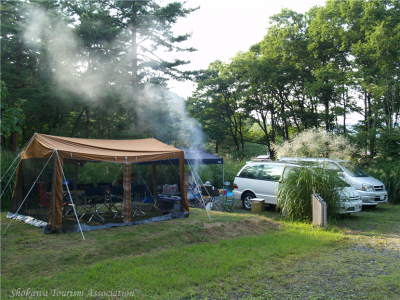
{"x":170,"y":203}
{"x":257,"y":205}
{"x":170,"y":189}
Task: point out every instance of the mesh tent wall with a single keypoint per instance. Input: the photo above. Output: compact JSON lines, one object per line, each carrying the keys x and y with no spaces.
{"x":73,"y":150}
{"x":195,"y":157}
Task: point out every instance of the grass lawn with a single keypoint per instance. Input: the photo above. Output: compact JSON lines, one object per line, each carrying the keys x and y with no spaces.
{"x":235,"y":256}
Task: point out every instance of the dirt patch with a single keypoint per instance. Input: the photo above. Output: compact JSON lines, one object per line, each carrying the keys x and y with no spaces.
{"x":248,"y":227}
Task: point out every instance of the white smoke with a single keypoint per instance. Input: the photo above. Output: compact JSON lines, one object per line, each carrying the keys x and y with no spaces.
{"x":74,"y":71}
{"x":62,"y":48}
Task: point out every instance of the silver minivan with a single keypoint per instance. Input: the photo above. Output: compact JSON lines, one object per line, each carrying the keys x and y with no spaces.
{"x":371,"y":190}
{"x":261,"y":179}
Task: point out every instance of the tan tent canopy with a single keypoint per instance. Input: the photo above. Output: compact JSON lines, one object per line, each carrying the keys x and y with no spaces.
{"x":73,"y":150}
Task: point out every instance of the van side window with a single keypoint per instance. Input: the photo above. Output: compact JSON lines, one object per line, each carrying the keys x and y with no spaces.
{"x":271,"y":172}
{"x":251,"y":171}
{"x":331,"y":166}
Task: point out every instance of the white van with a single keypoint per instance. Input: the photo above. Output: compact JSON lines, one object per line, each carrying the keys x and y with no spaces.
{"x":261,"y":179}
{"x":371,"y":190}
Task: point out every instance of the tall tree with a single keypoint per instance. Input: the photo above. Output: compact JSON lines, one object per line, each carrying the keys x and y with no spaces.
{"x":219,"y":102}
{"x":11,"y":114}
{"x":147,"y":27}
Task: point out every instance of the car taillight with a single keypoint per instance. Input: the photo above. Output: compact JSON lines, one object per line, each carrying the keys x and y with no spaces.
{"x":235,"y":186}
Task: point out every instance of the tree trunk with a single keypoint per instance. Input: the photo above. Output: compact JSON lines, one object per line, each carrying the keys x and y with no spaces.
{"x":76,"y":123}
{"x":15,"y":141}
{"x":135,"y":95}
{"x":87,"y":122}
{"x":344,"y":111}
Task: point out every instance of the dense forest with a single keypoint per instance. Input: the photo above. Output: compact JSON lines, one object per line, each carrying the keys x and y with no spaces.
{"x":311,"y":70}
{"x":95,"y":69}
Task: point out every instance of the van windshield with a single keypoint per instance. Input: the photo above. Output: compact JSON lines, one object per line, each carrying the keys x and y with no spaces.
{"x":353,"y":170}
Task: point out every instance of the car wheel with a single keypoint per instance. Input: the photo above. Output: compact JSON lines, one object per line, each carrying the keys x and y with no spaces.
{"x":246,"y":200}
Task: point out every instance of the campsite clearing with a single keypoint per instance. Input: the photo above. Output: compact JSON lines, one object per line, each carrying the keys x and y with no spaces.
{"x":236,"y":256}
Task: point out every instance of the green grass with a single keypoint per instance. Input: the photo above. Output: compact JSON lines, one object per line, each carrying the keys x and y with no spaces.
{"x":236,"y":256}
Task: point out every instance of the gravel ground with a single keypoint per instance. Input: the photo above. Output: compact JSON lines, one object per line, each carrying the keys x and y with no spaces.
{"x":367,"y":268}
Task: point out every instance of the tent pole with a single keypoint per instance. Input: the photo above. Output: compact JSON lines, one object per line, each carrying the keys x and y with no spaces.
{"x":127,"y":190}
{"x":155,"y":192}
{"x":54,"y":188}
{"x":223,"y":175}
{"x":138,"y":182}
{"x":73,"y":205}
{"x":76,"y":181}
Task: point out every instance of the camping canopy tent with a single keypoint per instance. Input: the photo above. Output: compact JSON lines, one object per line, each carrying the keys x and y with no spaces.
{"x":193,"y":157}
{"x":200,"y":157}
{"x":64,"y":150}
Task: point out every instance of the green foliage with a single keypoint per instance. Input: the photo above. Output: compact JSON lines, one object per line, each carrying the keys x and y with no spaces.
{"x":387,"y":171}
{"x":11,"y":114}
{"x":93,"y":172}
{"x":389,"y":144}
{"x":213,"y":173}
{"x":295,"y":191}
{"x":219,"y":104}
{"x":7,"y":158}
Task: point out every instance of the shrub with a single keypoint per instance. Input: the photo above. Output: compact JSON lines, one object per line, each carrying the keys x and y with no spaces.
{"x":387,"y":171}
{"x":316,"y":143}
{"x":296,"y":188}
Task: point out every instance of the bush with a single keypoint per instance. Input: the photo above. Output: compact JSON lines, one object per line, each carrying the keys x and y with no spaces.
{"x":387,"y":171}
{"x":316,"y":143}
{"x":7,"y":158}
{"x":295,"y":191}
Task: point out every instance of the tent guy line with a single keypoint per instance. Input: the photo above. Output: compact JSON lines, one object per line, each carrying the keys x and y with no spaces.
{"x":29,"y":191}
{"x":70,"y":198}
{"x":76,"y":151}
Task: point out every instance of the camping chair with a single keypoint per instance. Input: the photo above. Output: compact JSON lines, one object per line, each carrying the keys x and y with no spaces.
{"x":210,"y":196}
{"x":106,"y":186}
{"x":107,"y":190}
{"x":80,"y":201}
{"x":227,"y":201}
{"x":93,"y":198}
{"x":137,"y":191}
{"x":44,"y":202}
{"x":116,"y":197}
{"x":67,"y":206}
